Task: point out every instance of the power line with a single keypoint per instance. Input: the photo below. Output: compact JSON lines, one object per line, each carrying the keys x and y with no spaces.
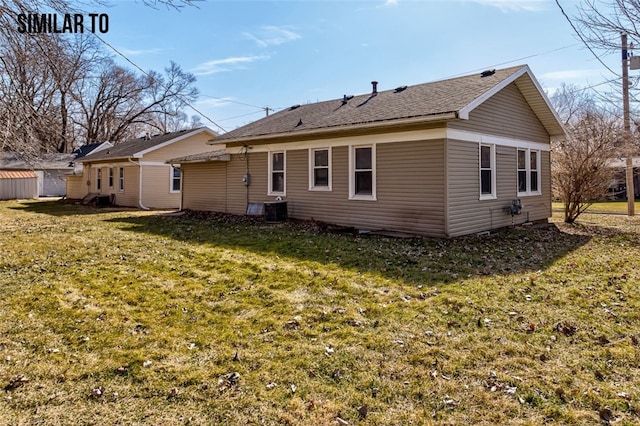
{"x":147,"y":74}
{"x":583,"y":40}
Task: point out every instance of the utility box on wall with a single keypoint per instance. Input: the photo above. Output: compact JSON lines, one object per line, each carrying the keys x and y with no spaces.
{"x":275,"y":211}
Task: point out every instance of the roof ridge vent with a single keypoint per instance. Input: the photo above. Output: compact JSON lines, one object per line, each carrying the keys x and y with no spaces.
{"x":296,"y":106}
{"x":487,"y":73}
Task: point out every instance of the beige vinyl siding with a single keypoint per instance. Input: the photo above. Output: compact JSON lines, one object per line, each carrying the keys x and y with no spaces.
{"x":410,"y":189}
{"x":204,"y":186}
{"x":128,"y":197}
{"x":192,"y":145}
{"x":76,"y":186}
{"x":156,"y":188}
{"x":468,"y":214}
{"x":506,"y":114}
{"x":237,"y":191}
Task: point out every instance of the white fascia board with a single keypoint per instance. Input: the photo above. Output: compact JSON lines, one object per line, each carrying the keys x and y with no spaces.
{"x":464,"y":112}
{"x":465,"y":136}
{"x":140,"y":154}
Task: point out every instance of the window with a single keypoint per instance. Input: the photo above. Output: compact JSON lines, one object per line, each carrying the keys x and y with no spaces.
{"x":99,"y":179}
{"x":277,"y":173}
{"x":121,"y":179}
{"x":320,"y":169}
{"x":528,"y":172}
{"x":362,"y":180}
{"x":175,"y":179}
{"x":487,"y":172}
{"x":111,"y":176}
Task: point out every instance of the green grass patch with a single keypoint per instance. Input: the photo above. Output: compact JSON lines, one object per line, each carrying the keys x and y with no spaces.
{"x":130,"y":317}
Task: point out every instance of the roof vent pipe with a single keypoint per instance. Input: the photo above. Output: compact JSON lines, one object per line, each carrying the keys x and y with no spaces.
{"x":374,"y":89}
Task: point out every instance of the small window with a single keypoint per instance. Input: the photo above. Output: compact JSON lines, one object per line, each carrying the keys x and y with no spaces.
{"x":362,"y":182}
{"x":277,"y":173}
{"x":176,"y":176}
{"x":487,"y":172}
{"x":111,"y":176}
{"x":320,"y":169}
{"x":99,"y":179}
{"x":528,"y":172}
{"x":121,"y":179}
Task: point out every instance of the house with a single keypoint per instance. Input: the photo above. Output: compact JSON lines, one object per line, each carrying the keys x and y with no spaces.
{"x":16,"y":184}
{"x":135,"y":173}
{"x":444,"y":159}
{"x":75,"y":183}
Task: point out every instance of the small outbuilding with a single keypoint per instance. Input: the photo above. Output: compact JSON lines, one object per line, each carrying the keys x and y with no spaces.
{"x":18,"y":184}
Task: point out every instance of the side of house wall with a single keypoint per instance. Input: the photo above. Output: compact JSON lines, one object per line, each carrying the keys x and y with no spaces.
{"x":468,"y":214}
{"x":128,"y":197}
{"x":507,"y":122}
{"x":204,"y":186}
{"x":409,"y":175}
{"x":76,"y":186}
{"x":156,"y":187}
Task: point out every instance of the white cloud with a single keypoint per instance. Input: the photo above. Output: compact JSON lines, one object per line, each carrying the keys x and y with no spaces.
{"x":138,"y":52}
{"x":227,"y":64}
{"x":215,"y":102}
{"x":514,"y":5}
{"x":271,"y":35}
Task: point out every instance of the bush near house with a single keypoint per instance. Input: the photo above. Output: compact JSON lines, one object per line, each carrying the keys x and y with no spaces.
{"x":132,"y":317}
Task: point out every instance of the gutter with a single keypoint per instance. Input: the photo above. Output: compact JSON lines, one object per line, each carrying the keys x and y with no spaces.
{"x":142,"y":206}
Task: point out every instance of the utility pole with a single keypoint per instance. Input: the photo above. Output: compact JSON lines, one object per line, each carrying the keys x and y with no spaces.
{"x":628,"y":145}
{"x":266,"y":110}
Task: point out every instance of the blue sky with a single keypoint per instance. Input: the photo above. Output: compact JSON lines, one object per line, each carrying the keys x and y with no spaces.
{"x":248,"y":55}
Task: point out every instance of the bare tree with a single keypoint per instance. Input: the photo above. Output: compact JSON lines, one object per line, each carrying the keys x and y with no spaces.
{"x":580,"y":166}
{"x":55,"y":89}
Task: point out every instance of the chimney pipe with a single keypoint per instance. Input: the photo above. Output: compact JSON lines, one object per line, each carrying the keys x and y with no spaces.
{"x":374,"y":90}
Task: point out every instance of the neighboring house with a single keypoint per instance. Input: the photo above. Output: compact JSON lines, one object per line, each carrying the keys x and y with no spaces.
{"x":619,"y":185}
{"x":443,"y":159}
{"x":16,"y":184}
{"x":135,"y":173}
{"x":50,"y":168}
{"x":76,"y":186}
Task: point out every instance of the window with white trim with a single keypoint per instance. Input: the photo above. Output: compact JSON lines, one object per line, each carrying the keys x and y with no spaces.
{"x":528,"y":163}
{"x":121,"y":179}
{"x":487,"y":171}
{"x":277,"y":173}
{"x":362,"y":176}
{"x":98,"y":179}
{"x":320,"y":169}
{"x":111,"y":176}
{"x":176,"y":177}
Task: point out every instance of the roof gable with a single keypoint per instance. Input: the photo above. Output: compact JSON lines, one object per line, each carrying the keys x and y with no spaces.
{"x":436,"y":101}
{"x":137,"y":148}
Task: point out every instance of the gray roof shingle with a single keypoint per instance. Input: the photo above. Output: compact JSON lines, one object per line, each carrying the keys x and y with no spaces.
{"x":422,"y":100}
{"x":130,"y":148}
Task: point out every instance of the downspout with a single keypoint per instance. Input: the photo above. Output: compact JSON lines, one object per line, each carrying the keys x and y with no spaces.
{"x":142,"y":206}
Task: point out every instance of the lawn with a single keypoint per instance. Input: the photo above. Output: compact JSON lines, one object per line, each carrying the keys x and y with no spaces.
{"x":131,"y":317}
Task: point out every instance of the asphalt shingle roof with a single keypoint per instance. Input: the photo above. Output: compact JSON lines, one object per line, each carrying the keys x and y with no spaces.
{"x":422,"y":100}
{"x":129,"y":148}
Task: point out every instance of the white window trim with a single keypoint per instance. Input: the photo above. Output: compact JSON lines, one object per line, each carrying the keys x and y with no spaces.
{"x":171,"y":179}
{"x":527,"y":159}
{"x":352,"y":174}
{"x":270,"y":190}
{"x":120,"y":179}
{"x":493,"y":195}
{"x":312,"y":166}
